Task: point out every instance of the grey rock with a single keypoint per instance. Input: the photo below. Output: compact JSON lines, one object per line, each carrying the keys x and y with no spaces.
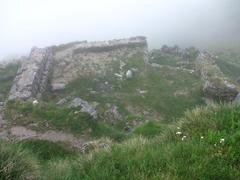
{"x":61,"y":102}
{"x":32,"y":77}
{"x":237,"y":99}
{"x":1,"y":103}
{"x":216,"y":85}
{"x":85,"y":106}
{"x":58,"y":86}
{"x":112,"y":113}
{"x":129,"y":74}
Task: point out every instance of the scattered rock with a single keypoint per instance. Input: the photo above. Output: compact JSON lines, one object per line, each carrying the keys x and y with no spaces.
{"x":35,"y":102}
{"x":142,"y":92}
{"x":1,"y":103}
{"x":87,"y":107}
{"x":237,"y":99}
{"x":129,"y":74}
{"x":61,"y":102}
{"x":112,"y":113}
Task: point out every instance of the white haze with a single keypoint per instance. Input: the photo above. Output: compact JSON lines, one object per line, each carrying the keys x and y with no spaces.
{"x":27,"y":23}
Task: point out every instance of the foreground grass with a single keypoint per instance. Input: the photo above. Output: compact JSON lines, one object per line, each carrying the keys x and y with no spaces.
{"x":203,"y":145}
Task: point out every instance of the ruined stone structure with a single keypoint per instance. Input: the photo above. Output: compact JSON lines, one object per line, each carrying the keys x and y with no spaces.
{"x":32,"y":78}
{"x":64,"y":63}
{"x":93,"y":58}
{"x":215,"y":83}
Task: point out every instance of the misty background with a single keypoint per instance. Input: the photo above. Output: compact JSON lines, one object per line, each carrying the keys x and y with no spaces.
{"x":202,"y":23}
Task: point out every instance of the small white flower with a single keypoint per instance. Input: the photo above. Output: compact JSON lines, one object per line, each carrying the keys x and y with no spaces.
{"x":222,"y":140}
{"x":178,"y":133}
{"x":35,"y":102}
{"x":184,"y":137}
{"x":202,"y":137}
{"x":178,"y":128}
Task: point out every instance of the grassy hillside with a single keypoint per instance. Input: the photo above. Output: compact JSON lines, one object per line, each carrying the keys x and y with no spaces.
{"x":204,"y":144}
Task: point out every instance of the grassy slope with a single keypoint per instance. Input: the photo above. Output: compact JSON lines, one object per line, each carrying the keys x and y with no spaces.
{"x":165,"y":156}
{"x":229,"y":64}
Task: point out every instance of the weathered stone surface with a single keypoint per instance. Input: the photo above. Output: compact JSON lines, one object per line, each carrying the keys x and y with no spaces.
{"x":94,"y":58}
{"x":129,"y":74}
{"x":32,"y":78}
{"x":216,"y":85}
{"x":237,"y":99}
{"x":85,"y":106}
{"x":112,"y":113}
{"x":58,"y":86}
{"x":70,"y":61}
{"x":61,"y":102}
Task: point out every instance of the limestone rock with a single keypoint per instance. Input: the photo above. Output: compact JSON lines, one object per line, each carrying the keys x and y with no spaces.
{"x":85,"y":106}
{"x":112,"y":113}
{"x":129,"y":74}
{"x":32,"y":78}
{"x":61,"y":102}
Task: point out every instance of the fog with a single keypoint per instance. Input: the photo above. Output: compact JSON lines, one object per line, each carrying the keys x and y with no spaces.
{"x":202,"y":23}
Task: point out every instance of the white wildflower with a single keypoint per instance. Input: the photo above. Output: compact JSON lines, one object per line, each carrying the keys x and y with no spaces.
{"x":184,"y":137}
{"x":202,"y":137}
{"x":178,"y":128}
{"x":178,"y":133}
{"x":222,"y":140}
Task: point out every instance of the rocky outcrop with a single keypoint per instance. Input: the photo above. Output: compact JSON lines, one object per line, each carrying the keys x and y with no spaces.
{"x":33,"y":77}
{"x":216,"y":85}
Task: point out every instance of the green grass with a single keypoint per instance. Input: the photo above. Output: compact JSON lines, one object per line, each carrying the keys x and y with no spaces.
{"x":163,"y":154}
{"x":161,"y":85}
{"x":167,"y":156}
{"x":45,"y":150}
{"x":229,"y":67}
{"x":7,"y":76}
{"x":164,"y":58}
{"x":16,"y":162}
{"x":50,"y":116}
{"x":149,"y":129}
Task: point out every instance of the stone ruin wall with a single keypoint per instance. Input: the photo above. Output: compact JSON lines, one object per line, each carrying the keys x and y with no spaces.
{"x":62,"y":64}
{"x":215,"y":83}
{"x":93,"y":58}
{"x":33,"y":76}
